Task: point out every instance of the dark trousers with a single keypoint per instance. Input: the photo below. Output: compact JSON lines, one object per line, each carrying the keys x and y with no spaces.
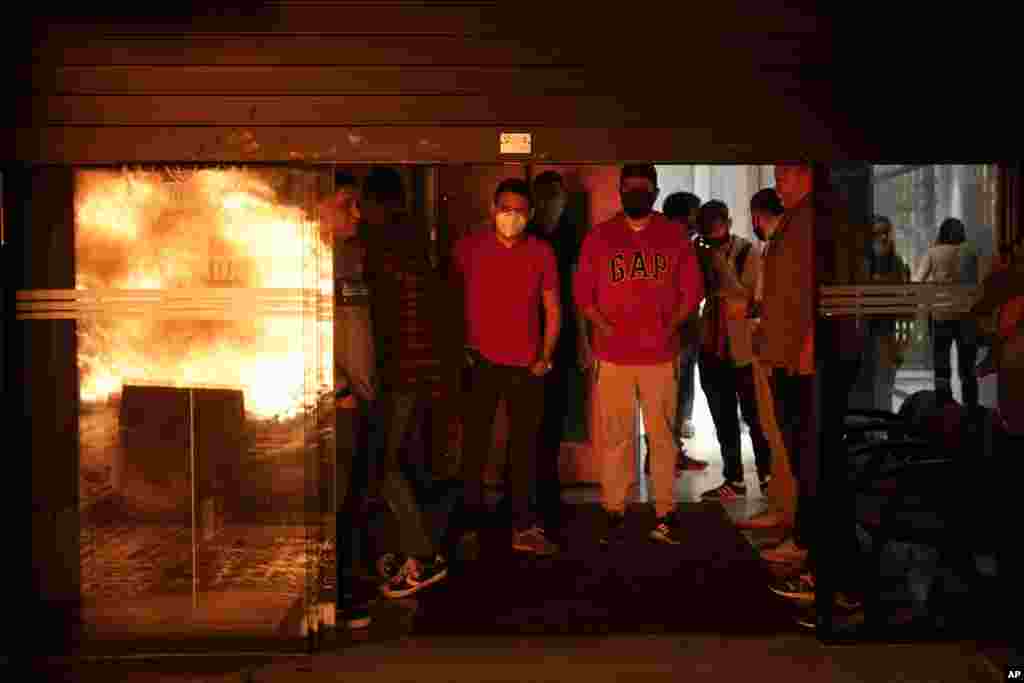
{"x":810,"y":410}
{"x":357,"y":434}
{"x":373,"y":481}
{"x":547,"y":488}
{"x":419,"y":503}
{"x":724,"y":385}
{"x":963,"y":332}
{"x":836,"y":510}
{"x":796,"y":412}
{"x":687,"y":385}
{"x":524,"y":400}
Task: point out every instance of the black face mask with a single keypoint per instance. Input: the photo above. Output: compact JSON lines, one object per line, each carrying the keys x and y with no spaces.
{"x":637,"y":203}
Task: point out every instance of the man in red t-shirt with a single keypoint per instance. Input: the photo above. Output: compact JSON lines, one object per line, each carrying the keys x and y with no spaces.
{"x":637,"y":281}
{"x":507,"y":278}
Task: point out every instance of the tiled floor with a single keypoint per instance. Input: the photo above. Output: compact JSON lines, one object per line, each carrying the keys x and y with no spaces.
{"x":430,"y":658}
{"x":704,"y":445}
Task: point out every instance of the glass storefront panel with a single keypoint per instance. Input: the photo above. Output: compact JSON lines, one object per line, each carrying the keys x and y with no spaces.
{"x":200,"y":327}
{"x":912,"y":203}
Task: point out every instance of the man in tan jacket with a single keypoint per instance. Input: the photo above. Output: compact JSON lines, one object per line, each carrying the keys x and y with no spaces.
{"x":766,"y":212}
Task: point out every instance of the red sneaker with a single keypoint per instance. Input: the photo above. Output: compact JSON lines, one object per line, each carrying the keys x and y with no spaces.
{"x":685,"y":462}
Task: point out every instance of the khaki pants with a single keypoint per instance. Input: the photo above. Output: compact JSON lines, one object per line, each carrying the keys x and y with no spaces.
{"x":782,"y":487}
{"x":616,"y":390}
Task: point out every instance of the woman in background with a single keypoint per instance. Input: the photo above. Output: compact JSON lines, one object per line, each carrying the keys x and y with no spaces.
{"x":884,"y":266}
{"x":951,"y":261}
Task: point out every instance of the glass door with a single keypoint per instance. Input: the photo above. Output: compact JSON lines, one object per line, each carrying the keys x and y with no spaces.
{"x":188,"y":328}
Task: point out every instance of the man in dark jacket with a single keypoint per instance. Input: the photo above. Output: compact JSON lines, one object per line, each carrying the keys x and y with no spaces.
{"x":815,"y":361}
{"x":563,"y":396}
{"x":418,"y":349}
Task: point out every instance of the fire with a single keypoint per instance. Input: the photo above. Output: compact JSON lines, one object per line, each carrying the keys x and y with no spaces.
{"x":205,"y":230}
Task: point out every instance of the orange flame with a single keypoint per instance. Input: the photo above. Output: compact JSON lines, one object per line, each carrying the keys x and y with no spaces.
{"x":201,"y":229}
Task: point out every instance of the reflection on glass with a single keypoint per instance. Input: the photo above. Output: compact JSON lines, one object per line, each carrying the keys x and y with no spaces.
{"x":917,"y":199}
{"x":203,"y":350}
{"x":910,"y":204}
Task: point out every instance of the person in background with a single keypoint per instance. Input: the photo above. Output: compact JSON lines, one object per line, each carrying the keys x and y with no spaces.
{"x":882,"y":352}
{"x":1003,"y":260}
{"x":684,"y":208}
{"x":952,"y":261}
{"x":418,"y":348}
{"x":731,"y":271}
{"x":766,"y":213}
{"x":563,"y":398}
{"x":637,"y":282}
{"x":506,"y":278}
{"x":1002,"y":293}
{"x":355,"y":391}
{"x":354,"y":354}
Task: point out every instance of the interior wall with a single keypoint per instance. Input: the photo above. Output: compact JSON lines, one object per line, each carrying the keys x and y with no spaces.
{"x":467,"y":193}
{"x":600,"y":183}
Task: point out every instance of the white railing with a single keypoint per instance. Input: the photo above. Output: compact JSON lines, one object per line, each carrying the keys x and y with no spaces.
{"x":907,"y":300}
{"x":233,"y":302}
{"x":218,"y":303}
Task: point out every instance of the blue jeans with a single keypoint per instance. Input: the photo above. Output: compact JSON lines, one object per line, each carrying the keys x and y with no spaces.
{"x":687,"y":385}
{"x":370,"y":440}
{"x":420,"y":504}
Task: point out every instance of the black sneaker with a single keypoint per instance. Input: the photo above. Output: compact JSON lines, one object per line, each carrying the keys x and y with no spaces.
{"x":357,"y":616}
{"x":730,"y":490}
{"x":389,"y":564}
{"x":614,"y":532}
{"x":799,"y":588}
{"x":666,"y":530}
{"x":413,"y":576}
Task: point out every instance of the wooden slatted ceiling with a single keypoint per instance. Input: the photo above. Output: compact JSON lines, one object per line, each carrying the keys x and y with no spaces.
{"x":226,"y":79}
{"x":394,"y":144}
{"x":288,"y":66}
{"x":467,"y":110}
{"x":522,"y":18}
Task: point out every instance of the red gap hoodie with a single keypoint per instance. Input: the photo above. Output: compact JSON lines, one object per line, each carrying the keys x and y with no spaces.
{"x":638,"y":279}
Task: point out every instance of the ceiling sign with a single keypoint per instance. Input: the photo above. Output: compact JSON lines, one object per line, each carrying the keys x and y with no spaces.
{"x":516,"y":143}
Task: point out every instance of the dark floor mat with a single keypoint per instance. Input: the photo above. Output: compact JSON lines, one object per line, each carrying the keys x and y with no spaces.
{"x":712,"y":582}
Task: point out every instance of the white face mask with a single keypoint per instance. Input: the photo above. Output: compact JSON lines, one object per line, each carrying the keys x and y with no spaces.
{"x":510,"y":223}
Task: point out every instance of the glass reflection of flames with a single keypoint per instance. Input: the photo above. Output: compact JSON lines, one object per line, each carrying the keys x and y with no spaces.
{"x":200,"y":229}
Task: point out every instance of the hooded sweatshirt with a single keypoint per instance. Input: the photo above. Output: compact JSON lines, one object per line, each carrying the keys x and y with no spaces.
{"x":637,"y":280}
